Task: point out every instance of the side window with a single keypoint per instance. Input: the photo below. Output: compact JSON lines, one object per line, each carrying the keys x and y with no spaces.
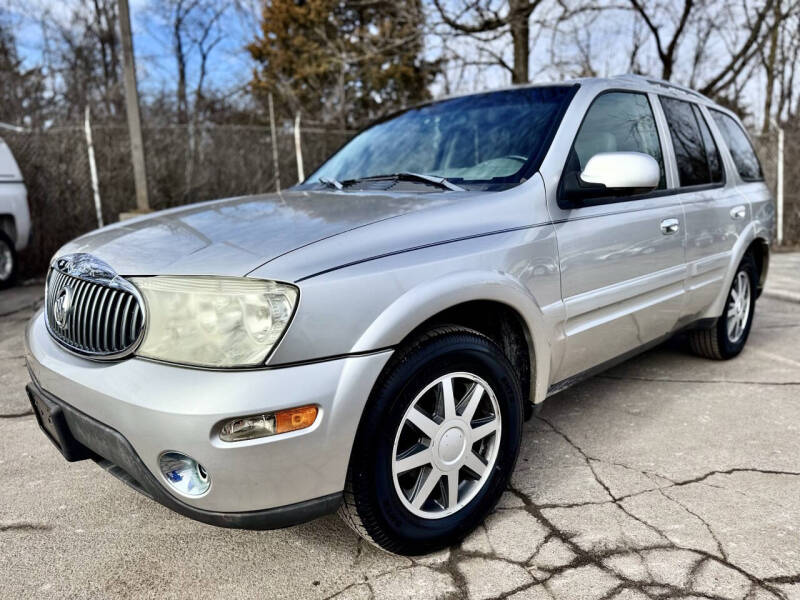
{"x":688,"y":130}
{"x":744,"y":157}
{"x":712,"y":152}
{"x":616,"y":122}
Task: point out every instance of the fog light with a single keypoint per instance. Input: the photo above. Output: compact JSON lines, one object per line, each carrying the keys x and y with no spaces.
{"x":258,"y":426}
{"x":184,"y":474}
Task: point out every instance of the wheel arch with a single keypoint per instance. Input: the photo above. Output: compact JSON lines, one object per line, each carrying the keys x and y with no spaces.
{"x":489,"y":302}
{"x":8,"y":225}
{"x":497,"y":321}
{"x":759,"y":248}
{"x":750,"y":240}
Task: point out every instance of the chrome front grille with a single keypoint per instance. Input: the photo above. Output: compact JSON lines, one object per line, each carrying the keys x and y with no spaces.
{"x":92,"y":312}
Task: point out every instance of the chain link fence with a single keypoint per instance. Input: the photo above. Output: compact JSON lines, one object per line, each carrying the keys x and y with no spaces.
{"x":188,"y":164}
{"x":185,"y":164}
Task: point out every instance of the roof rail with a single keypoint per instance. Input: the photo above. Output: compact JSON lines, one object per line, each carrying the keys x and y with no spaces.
{"x":662,"y":83}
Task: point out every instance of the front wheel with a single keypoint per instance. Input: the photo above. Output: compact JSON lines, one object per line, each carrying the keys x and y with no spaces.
{"x":729,"y":335}
{"x":436,"y":445}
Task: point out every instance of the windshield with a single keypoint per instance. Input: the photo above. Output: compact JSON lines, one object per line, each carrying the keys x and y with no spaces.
{"x":492,"y":138}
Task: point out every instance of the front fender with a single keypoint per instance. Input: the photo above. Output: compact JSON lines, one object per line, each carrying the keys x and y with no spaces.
{"x":427,"y":299}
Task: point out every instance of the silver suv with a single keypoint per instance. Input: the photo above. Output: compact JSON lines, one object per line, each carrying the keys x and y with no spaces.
{"x":372,"y":339}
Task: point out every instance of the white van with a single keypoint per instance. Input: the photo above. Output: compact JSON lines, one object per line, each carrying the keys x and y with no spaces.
{"x":15,"y":219}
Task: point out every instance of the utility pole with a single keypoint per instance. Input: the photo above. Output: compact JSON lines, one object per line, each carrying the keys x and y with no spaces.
{"x":132,"y":108}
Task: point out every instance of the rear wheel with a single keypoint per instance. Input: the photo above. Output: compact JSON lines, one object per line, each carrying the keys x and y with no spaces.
{"x":436,"y":445}
{"x":729,"y":335}
{"x":8,"y":261}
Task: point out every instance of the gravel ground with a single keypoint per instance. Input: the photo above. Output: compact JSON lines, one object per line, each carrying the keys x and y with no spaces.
{"x":668,"y":476}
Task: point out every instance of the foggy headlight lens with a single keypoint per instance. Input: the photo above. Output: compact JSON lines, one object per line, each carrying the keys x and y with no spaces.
{"x":214,"y":321}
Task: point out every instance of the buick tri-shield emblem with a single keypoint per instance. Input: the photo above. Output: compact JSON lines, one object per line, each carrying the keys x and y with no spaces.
{"x":62,"y":307}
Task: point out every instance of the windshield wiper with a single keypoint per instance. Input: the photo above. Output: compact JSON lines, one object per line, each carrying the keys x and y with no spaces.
{"x":331,"y":182}
{"x":441,"y":182}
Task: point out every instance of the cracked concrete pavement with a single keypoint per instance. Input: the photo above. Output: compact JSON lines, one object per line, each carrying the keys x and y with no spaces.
{"x":669,"y":476}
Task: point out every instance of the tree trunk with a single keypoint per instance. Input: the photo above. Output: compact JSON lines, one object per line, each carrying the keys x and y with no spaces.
{"x":769,"y":67}
{"x":180,"y":62}
{"x":666,"y":68}
{"x":519,"y":15}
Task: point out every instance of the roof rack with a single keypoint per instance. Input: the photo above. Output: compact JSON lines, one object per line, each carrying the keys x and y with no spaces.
{"x":661,"y":83}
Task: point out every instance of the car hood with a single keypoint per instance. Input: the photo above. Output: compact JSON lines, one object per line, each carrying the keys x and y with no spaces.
{"x":237,"y":235}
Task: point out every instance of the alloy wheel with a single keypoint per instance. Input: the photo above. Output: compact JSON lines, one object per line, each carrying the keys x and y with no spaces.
{"x":446,"y":445}
{"x":738,"y":306}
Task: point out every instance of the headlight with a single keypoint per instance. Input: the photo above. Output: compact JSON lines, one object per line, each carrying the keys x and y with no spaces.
{"x":214,"y":321}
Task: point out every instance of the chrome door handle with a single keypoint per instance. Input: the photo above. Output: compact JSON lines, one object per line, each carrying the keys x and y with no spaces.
{"x":670,"y":226}
{"x":738,"y":212}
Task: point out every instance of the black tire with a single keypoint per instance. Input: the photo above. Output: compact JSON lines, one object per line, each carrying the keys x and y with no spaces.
{"x":372,"y":506}
{"x":716,"y":343}
{"x":6,"y":245}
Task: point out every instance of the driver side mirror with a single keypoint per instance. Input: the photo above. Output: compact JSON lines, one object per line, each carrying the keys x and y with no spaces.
{"x":609,"y":174}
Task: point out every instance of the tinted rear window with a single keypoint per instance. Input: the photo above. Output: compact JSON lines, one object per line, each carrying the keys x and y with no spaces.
{"x":712,"y":152}
{"x":695,"y":164}
{"x":744,"y":157}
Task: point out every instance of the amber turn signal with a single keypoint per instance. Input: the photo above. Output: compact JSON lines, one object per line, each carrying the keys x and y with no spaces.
{"x":258,"y":426}
{"x":293,"y":419}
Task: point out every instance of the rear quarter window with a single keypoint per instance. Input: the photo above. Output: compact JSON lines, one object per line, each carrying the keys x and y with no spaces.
{"x":742,"y":152}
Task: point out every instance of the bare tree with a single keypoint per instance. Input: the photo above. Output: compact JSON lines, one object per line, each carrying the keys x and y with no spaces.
{"x":487,"y":20}
{"x":79,"y":54}
{"x":757,"y":32}
{"x":749,"y":29}
{"x":104,"y":28}
{"x":666,"y":46}
{"x":194,"y":30}
{"x":23,"y":100}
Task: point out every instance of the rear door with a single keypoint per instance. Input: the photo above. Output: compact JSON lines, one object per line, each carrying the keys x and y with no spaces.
{"x":621,"y":258}
{"x":715,"y":211}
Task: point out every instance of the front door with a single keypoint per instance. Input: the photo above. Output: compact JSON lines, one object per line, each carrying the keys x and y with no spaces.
{"x":622,"y":258}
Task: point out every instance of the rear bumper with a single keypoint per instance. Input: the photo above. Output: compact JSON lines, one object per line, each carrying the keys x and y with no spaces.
{"x":81,"y":437}
{"x":148,"y":408}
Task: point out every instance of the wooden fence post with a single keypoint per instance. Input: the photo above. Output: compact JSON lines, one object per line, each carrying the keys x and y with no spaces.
{"x":274,"y":135}
{"x":87,"y":128}
{"x":298,"y":150}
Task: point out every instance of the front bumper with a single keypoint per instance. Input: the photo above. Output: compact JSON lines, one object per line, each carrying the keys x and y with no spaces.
{"x":137,"y":409}
{"x":79,"y":436}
